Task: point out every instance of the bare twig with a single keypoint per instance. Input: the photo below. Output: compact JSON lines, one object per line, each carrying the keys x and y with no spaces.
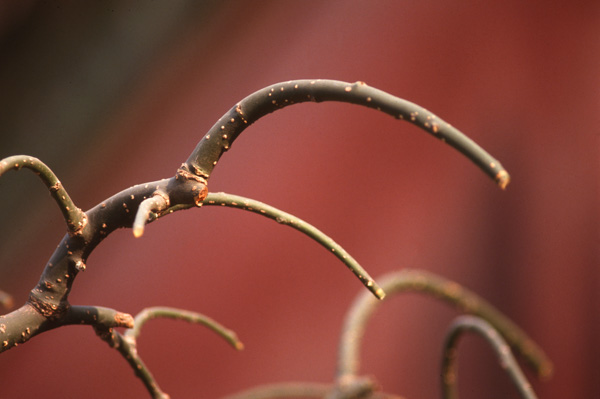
{"x":438,"y":287}
{"x":148,"y":211}
{"x":179,"y":314}
{"x":507,"y":360}
{"x":126,"y":343}
{"x":74,"y":216}
{"x":221,"y":136}
{"x":247,"y":204}
{"x":127,"y":348}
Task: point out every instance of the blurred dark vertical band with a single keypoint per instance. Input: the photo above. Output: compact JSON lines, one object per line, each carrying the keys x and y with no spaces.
{"x":66,"y":70}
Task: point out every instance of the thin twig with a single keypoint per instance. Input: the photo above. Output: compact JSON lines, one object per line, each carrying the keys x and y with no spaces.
{"x":127,"y":348}
{"x":221,"y":136}
{"x":126,"y":343}
{"x":260,"y":208}
{"x":441,"y":288}
{"x":486,"y":330}
{"x":75,"y":217}
{"x":179,"y":314}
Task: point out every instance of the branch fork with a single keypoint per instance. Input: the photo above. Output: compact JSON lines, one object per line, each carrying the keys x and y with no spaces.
{"x":48,"y":307}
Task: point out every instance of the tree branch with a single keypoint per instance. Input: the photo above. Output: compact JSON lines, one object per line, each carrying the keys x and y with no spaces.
{"x":126,"y":343}
{"x":49,"y":299}
{"x":74,"y":216}
{"x":48,"y":307}
{"x":287,"y":219}
{"x":185,"y":315}
{"x":6,"y":300}
{"x":441,"y":288}
{"x":507,"y":360}
{"x":222,"y":135}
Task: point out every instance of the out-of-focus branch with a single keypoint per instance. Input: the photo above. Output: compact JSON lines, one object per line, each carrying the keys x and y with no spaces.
{"x":290,"y":390}
{"x":48,"y":307}
{"x":441,"y":288}
{"x":284,"y":390}
{"x":508,"y":362}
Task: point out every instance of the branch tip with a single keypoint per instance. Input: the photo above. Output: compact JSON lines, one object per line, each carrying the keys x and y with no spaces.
{"x":138,"y":231}
{"x":239,"y":345}
{"x":502,"y":179}
{"x":224,"y":132}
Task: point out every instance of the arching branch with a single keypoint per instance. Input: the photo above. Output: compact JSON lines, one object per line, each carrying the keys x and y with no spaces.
{"x":75,"y":217}
{"x":441,"y":288}
{"x":222,"y":135}
{"x":236,"y":201}
{"x":508,"y":362}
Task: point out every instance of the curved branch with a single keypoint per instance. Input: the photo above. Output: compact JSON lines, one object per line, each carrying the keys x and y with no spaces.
{"x":126,"y":343}
{"x":179,"y":314}
{"x":128,"y":349}
{"x":446,"y":290}
{"x":507,"y":360}
{"x":6,"y":300}
{"x":220,"y":137}
{"x":247,"y":204}
{"x":75,"y":217}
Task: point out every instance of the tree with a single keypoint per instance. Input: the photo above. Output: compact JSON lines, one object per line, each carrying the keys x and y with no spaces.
{"x":48,"y":306}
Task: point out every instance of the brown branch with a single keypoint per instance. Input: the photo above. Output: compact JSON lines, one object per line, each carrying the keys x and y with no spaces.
{"x":126,"y":344}
{"x":284,"y":390}
{"x":289,"y":390}
{"x":49,"y":299}
{"x":287,"y":219}
{"x":440,"y":288}
{"x":508,"y":362}
{"x":222,"y":135}
{"x":48,"y":307}
{"x":74,"y":216}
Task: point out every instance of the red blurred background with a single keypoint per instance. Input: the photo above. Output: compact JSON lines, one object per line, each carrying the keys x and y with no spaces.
{"x":111,"y":94}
